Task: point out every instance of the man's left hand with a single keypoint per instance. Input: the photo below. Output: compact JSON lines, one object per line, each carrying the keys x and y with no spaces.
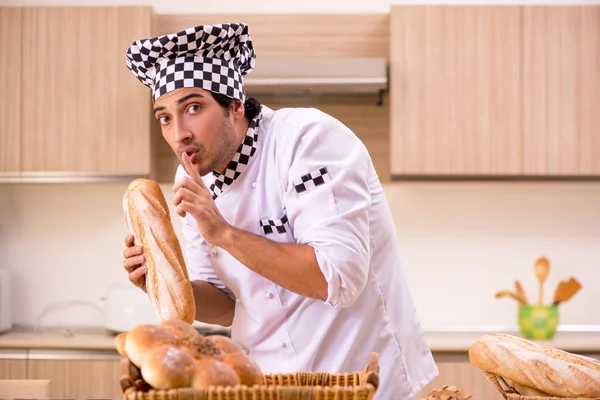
{"x":193,"y":197}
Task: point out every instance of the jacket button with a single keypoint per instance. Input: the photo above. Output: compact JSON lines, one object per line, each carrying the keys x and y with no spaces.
{"x":214,"y":252}
{"x":283,"y":345}
{"x":269,"y":295}
{"x":253,"y":185}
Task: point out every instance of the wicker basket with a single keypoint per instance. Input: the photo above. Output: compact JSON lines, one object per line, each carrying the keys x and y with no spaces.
{"x":509,"y":393}
{"x":292,"y":386}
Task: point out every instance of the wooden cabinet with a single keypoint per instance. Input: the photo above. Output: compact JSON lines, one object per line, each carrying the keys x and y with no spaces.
{"x":77,"y":374}
{"x":454,"y":87}
{"x":13,"y":364}
{"x":455,"y":370}
{"x":561,"y":86}
{"x":72,"y":107}
{"x":494,"y":91}
{"x":10,"y":93}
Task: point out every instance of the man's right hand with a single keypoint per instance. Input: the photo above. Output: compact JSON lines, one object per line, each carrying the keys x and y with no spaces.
{"x":134,"y":263}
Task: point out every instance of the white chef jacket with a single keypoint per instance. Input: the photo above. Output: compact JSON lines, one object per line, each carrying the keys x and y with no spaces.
{"x":310,"y":180}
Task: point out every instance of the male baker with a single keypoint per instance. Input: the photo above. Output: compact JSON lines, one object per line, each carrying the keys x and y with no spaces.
{"x":288,"y":235}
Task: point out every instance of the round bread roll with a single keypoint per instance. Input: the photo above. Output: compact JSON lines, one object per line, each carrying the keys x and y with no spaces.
{"x":210,"y":372}
{"x":200,"y":347}
{"x":225,"y":344}
{"x":120,"y":343}
{"x":184,"y":331}
{"x":168,"y":367}
{"x":248,"y":371}
{"x":145,"y":337}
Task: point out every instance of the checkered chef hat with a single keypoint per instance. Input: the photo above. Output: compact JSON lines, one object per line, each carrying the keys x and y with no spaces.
{"x":210,"y":57}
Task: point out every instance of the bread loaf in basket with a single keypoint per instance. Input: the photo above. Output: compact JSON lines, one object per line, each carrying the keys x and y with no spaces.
{"x":524,"y":370}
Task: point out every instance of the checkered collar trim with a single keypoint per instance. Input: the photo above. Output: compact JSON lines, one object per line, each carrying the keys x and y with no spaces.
{"x":240,"y":160}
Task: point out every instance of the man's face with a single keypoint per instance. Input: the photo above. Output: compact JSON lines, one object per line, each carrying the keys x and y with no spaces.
{"x":193,"y":122}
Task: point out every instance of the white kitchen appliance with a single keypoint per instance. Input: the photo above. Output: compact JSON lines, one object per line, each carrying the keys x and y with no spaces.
{"x":127,"y":307}
{"x":5,"y":300}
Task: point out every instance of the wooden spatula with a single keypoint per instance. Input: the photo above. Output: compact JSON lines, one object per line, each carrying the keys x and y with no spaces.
{"x":566,"y":290}
{"x":521,"y":293}
{"x":506,"y":293}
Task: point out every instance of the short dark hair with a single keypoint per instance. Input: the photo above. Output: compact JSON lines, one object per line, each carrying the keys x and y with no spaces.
{"x":251,"y":105}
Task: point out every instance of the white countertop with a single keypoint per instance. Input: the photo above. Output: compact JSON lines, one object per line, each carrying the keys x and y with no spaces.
{"x":460,"y":341}
{"x":439,"y":341}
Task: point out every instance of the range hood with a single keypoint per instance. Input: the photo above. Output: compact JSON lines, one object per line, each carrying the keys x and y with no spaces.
{"x":364,"y":75}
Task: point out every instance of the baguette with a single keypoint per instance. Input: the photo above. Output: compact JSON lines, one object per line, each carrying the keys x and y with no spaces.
{"x":167,"y":281}
{"x":541,"y":368}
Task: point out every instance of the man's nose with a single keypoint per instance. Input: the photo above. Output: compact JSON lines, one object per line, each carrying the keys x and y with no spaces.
{"x":182,"y":133}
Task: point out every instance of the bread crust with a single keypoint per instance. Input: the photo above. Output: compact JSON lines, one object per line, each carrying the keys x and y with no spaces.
{"x":167,"y":281}
{"x":168,"y":367}
{"x":543,"y":368}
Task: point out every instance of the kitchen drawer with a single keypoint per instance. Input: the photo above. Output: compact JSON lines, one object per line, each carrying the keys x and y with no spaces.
{"x":13,"y":364}
{"x":77,"y":374}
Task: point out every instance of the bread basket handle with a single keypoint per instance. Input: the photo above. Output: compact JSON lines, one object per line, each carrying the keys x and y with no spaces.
{"x":370,"y":373}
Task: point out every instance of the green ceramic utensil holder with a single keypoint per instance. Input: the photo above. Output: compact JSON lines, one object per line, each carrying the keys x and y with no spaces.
{"x":538,"y":322}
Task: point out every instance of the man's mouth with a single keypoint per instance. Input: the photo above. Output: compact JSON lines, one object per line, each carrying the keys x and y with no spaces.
{"x":192,"y":154}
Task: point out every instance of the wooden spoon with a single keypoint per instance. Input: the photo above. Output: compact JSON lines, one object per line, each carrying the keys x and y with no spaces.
{"x":541,"y":269}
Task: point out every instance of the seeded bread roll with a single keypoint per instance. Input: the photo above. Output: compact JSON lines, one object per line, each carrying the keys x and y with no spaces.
{"x":225,"y":344}
{"x":149,"y":221}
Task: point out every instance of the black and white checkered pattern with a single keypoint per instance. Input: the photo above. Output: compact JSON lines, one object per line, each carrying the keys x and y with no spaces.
{"x":311,"y":180}
{"x":239,"y":161}
{"x":274,"y":225}
{"x":210,"y":57}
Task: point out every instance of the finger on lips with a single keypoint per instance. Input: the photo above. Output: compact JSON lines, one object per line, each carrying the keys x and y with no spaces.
{"x":192,"y":172}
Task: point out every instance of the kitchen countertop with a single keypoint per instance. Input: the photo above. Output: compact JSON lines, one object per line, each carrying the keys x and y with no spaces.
{"x":582,"y":341}
{"x":460,"y":341}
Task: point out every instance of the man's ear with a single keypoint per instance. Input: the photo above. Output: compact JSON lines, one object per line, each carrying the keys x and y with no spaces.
{"x":238,"y":110}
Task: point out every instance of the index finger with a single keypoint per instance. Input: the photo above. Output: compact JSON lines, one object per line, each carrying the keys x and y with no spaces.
{"x":191,"y":170}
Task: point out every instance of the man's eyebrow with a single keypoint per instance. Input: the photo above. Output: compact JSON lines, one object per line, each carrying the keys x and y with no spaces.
{"x":181,"y":100}
{"x":189,"y":96}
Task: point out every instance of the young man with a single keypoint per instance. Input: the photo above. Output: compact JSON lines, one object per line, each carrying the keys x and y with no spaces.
{"x":289,"y":238}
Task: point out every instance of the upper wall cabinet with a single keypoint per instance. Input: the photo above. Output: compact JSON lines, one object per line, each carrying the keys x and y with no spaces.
{"x":494,"y":91}
{"x":454,"y":87}
{"x":10,"y":93}
{"x":82,"y":111}
{"x":561,"y":90}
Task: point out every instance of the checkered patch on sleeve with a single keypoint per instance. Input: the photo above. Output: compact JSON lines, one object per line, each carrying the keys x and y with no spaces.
{"x":274,"y":225}
{"x":311,"y":180}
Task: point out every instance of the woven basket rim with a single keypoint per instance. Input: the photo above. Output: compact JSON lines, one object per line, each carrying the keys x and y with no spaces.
{"x":363,"y":382}
{"x":513,"y":395}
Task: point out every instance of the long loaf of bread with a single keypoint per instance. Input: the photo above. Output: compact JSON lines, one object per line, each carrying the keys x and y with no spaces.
{"x":167,"y":282}
{"x":543,"y":368}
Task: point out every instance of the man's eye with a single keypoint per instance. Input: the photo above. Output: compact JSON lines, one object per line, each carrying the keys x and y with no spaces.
{"x":163,"y":120}
{"x":193,"y":109}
